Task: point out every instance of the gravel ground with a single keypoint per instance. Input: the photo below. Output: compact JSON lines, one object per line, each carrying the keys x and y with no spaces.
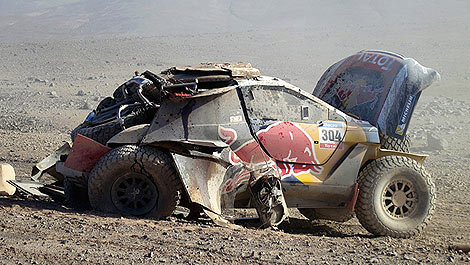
{"x":48,"y":87}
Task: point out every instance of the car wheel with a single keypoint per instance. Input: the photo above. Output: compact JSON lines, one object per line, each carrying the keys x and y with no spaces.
{"x":396,"y":197}
{"x":133,"y":180}
{"x":392,"y":143}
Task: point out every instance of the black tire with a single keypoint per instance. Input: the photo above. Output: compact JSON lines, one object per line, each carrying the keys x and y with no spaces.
{"x":333,"y":214}
{"x":133,"y":180}
{"x":103,"y":132}
{"x":392,"y":143}
{"x":75,"y":196}
{"x":396,"y":197}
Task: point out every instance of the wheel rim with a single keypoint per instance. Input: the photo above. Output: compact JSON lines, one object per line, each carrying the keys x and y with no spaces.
{"x":399,"y":198}
{"x":134,"y":194}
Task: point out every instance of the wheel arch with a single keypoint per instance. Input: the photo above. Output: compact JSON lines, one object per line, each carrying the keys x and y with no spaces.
{"x":376,"y":153}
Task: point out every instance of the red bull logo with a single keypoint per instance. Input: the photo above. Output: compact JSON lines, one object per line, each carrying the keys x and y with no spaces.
{"x":286,"y":142}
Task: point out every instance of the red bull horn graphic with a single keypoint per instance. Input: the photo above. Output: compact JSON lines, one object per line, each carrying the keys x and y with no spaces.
{"x":288,"y":142}
{"x":290,"y":145}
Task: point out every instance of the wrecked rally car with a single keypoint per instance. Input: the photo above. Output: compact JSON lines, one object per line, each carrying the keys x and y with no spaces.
{"x":222,"y":136}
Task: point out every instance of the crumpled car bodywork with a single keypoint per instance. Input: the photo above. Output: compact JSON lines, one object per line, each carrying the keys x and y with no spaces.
{"x":257,"y":141}
{"x":316,"y":151}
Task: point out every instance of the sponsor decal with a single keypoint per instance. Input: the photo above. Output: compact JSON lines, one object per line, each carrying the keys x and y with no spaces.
{"x":287,"y":142}
{"x":330,"y":135}
{"x":405,"y":115}
{"x":236,"y":119}
{"x":227,"y":135}
{"x":384,"y":62}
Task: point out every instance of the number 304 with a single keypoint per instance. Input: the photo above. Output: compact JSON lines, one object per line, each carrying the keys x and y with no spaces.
{"x":331,"y":135}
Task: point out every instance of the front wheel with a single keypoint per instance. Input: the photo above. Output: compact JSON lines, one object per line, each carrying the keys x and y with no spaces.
{"x":396,"y":197}
{"x":133,"y":180}
{"x":392,"y":143}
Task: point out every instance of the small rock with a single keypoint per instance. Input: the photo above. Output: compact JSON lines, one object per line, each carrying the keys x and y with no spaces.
{"x":37,"y":80}
{"x":150,"y":255}
{"x":408,"y":257}
{"x":51,"y":85}
{"x":53,"y":94}
{"x":81,"y":93}
{"x":374,"y":260}
{"x":86,"y":105}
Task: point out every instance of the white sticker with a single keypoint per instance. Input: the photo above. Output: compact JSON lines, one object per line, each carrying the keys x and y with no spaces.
{"x":330,"y":135}
{"x":236,"y":118}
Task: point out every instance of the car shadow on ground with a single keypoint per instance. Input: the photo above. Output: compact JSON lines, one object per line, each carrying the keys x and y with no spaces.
{"x":292,"y":226}
{"x":308,"y":227}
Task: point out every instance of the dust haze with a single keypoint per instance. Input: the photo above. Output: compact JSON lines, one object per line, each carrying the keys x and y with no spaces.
{"x":60,"y":58}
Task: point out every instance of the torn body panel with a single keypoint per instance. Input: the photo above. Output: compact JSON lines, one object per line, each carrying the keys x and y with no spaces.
{"x":376,"y":86}
{"x":47,"y":165}
{"x":84,"y":154}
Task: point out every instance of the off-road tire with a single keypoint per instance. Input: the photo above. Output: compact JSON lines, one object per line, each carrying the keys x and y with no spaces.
{"x":392,"y":143}
{"x":334,"y":214}
{"x":75,"y":196}
{"x":375,"y":203}
{"x":123,"y":161}
{"x":103,"y":132}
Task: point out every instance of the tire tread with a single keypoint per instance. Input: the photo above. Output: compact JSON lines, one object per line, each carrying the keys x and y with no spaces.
{"x":141,"y":156}
{"x":367,"y":180}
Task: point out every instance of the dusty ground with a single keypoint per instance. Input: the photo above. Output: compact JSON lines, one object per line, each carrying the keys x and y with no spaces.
{"x":47,"y":87}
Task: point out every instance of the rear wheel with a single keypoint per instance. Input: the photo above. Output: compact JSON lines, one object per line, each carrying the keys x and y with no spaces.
{"x":133,"y":180}
{"x":396,"y":197}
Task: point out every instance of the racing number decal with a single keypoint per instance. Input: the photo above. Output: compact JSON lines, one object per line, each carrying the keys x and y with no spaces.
{"x":330,"y":135}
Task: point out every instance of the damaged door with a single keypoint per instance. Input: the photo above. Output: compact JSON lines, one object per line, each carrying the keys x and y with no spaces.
{"x":292,"y":129}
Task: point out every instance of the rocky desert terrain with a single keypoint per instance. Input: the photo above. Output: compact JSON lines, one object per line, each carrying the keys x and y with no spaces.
{"x":53,"y":74}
